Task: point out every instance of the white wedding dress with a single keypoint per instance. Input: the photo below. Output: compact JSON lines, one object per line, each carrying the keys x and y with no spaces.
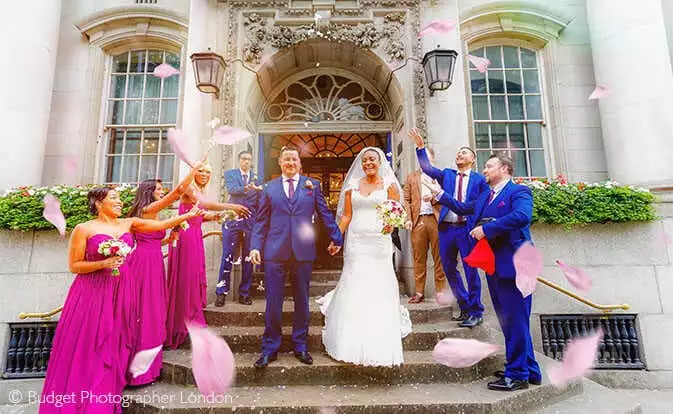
{"x":364,"y":322}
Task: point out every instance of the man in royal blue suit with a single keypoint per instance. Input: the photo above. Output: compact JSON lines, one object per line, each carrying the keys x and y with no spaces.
{"x":503,"y":215}
{"x":465,"y":185}
{"x":243,"y":188}
{"x":283,"y":235}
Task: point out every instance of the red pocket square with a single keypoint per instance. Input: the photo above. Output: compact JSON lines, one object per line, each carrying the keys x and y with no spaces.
{"x":482,"y":257}
{"x":501,"y":204}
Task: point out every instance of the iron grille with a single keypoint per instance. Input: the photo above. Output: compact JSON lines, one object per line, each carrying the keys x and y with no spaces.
{"x":28,"y":349}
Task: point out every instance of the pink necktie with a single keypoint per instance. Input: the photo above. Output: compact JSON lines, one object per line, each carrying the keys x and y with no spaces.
{"x":290,"y":189}
{"x":490,"y":197}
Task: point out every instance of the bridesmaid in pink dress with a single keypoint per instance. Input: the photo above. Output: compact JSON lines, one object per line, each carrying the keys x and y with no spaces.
{"x":149,"y":274}
{"x":187,"y":284}
{"x":90,"y":354}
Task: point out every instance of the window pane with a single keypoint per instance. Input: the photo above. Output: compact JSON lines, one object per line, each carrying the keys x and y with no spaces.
{"x":516,"y":139}
{"x":171,"y":87}
{"x":136,"y":86}
{"x":133,"y":141}
{"x":155,"y":59}
{"x":151,"y":142}
{"x":513,"y":81}
{"x":478,"y":81}
{"x":515,"y":107}
{"x":537,"y":168}
{"x":530,"y":81}
{"x":113,"y":169}
{"x":519,"y":158}
{"x":116,"y":141}
{"x":169,"y":111}
{"x":498,"y":110}
{"x":481,"y":136}
{"x":166,"y":168}
{"x":496,"y":82}
{"x":137,"y":64}
{"x":115,"y":111}
{"x":152,"y":87}
{"x":511,"y":55}
{"x":151,"y":112}
{"x":165,"y":147}
{"x":499,"y":135}
{"x":534,"y":135}
{"x":533,"y":107}
{"x":480,"y":107}
{"x":173,"y":60}
{"x":120,"y":63}
{"x":493,"y":54}
{"x":130,"y":169}
{"x":132,"y":112}
{"x":528,"y":59}
{"x":117,"y":86}
{"x":482,"y":157}
{"x":148,"y":167}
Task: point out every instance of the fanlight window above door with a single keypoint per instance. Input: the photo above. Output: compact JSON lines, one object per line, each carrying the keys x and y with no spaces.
{"x":325,"y":97}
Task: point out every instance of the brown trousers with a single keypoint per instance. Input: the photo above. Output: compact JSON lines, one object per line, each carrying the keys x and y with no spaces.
{"x":423,"y":236}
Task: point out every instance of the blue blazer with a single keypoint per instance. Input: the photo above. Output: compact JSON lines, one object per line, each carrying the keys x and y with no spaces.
{"x":237,"y":195}
{"x":447,"y":178}
{"x":512,"y":210}
{"x":278,"y":232}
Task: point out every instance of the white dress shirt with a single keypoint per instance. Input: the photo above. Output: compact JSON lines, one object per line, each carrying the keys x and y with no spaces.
{"x":244,"y":174}
{"x":286,"y":184}
{"x":451,"y":216}
{"x":498,"y":187}
{"x":426,"y":206}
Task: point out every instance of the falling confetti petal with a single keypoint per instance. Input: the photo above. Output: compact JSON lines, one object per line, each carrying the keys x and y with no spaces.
{"x":178,"y":141}
{"x":208,"y":351}
{"x":438,"y":26}
{"x":528,"y":264}
{"x":600,"y":92}
{"x":445,"y":298}
{"x":578,"y":358}
{"x":479,"y":62}
{"x":226,"y":135}
{"x":53,"y":214}
{"x":576,"y":276}
{"x":306,"y":232}
{"x":71,"y":166}
{"x":214,"y":122}
{"x":165,"y":71}
{"x":142,"y":361}
{"x":461,"y":353}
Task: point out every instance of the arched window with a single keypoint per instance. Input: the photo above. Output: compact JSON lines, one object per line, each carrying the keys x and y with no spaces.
{"x":140,"y":109}
{"x":507,"y":112}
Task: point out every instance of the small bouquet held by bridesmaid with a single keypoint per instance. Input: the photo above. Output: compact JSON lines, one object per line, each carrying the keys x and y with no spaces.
{"x":392,"y":214}
{"x":114,"y":247}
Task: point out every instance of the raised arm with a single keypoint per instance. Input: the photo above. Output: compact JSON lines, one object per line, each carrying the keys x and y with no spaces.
{"x":422,"y":156}
{"x":213,"y":205}
{"x":458,"y":207}
{"x":175,"y":194}
{"x":147,"y":226}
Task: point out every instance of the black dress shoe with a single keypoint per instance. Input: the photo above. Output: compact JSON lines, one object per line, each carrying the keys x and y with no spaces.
{"x":245,"y":300}
{"x":471,"y":322}
{"x":461,"y":317}
{"x":219,"y":302}
{"x":304,"y":357}
{"x":265,"y":360}
{"x":531,"y":381}
{"x":507,"y":384}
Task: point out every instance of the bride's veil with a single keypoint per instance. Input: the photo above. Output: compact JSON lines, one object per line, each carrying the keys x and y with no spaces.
{"x":355,"y":173}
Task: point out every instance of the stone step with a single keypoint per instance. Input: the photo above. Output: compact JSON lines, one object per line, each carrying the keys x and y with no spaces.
{"x":316,"y":275}
{"x":466,"y":398}
{"x":243,"y":339}
{"x":595,"y":399}
{"x":316,"y":289}
{"x":418,"y":367}
{"x":235,"y":314}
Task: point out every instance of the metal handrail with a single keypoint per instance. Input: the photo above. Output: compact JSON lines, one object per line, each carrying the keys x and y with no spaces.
{"x":602,"y":308}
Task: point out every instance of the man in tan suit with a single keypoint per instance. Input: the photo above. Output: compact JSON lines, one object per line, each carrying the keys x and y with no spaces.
{"x":422,"y":223}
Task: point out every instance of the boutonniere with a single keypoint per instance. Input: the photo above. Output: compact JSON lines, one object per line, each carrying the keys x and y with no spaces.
{"x":308,"y":185}
{"x":501,"y":204}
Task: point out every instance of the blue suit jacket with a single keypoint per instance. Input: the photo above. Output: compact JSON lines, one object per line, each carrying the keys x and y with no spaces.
{"x":512,"y":210}
{"x":237,"y":195}
{"x":447,"y":178}
{"x":279,"y":229}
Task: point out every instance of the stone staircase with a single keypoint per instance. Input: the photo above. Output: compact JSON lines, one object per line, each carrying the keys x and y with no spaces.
{"x":328,"y":386}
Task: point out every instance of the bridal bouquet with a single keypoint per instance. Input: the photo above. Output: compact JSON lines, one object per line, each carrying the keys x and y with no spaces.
{"x":114,"y":247}
{"x":392,"y":214}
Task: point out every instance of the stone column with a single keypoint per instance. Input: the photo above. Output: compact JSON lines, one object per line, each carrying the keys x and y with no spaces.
{"x":28,"y":60}
{"x":631,"y":57}
{"x":447,"y":111}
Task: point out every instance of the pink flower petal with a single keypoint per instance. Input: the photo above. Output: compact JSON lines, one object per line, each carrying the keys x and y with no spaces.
{"x":71,"y":166}
{"x":461,"y":353}
{"x":576,"y":276}
{"x":445,"y":298}
{"x":306,"y":232}
{"x":528,"y":265}
{"x":53,"y":214}
{"x":178,"y":141}
{"x":212,"y":361}
{"x":165,"y":71}
{"x":600,"y":92}
{"x":438,"y":26}
{"x":480,"y":63}
{"x":578,"y":358}
{"x":142,"y":361}
{"x":226,"y":135}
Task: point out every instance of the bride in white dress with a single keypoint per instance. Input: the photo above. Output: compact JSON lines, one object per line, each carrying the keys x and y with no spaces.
{"x":364,"y":321}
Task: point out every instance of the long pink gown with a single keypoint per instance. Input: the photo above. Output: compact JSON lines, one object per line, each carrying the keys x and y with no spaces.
{"x":187,"y":284}
{"x":90,"y":350}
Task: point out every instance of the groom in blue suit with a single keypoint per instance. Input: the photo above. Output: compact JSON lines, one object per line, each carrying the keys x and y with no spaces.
{"x":283,"y":235}
{"x":503,"y":216}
